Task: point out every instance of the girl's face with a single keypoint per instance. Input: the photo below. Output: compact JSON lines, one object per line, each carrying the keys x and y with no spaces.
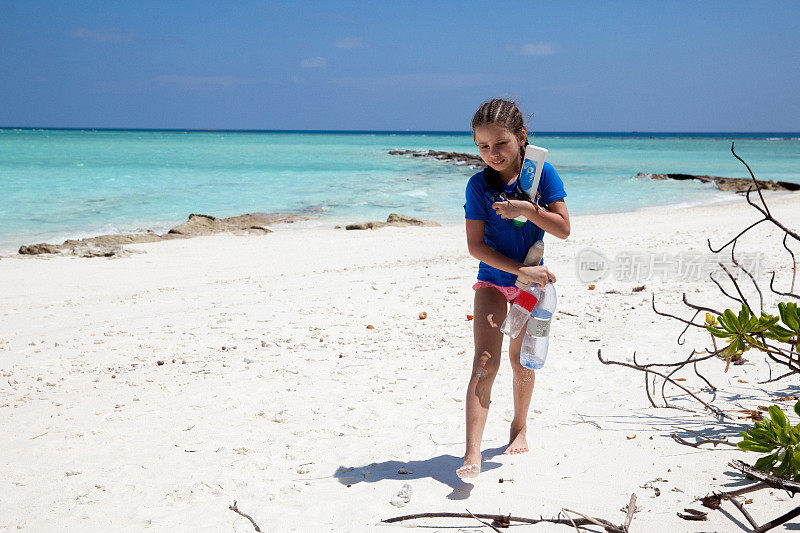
{"x":499,"y":148}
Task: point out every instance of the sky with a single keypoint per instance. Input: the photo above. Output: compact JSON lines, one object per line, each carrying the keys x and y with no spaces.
{"x":380,"y":65}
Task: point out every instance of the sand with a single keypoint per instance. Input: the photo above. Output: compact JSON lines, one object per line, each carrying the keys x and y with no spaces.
{"x":274,"y":392}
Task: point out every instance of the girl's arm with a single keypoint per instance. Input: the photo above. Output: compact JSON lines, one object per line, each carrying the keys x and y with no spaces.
{"x":553,"y":220}
{"x":483,"y":252}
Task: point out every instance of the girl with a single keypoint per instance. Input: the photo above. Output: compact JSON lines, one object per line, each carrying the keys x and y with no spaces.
{"x":499,"y":132}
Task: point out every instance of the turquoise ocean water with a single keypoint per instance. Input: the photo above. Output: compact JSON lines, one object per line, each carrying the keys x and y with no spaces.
{"x":58,"y":184}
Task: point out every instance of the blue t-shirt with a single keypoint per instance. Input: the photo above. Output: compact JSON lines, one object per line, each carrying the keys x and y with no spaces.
{"x":501,"y":234}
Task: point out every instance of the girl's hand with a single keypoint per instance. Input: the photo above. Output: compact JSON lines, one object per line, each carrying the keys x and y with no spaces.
{"x":512,"y":208}
{"x":536,"y":274}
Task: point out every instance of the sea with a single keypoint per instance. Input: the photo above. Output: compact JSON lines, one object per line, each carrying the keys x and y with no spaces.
{"x":57,"y":184}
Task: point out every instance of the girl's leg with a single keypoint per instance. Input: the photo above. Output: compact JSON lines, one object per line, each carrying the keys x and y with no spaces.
{"x":490,"y":311}
{"x":523,"y":390}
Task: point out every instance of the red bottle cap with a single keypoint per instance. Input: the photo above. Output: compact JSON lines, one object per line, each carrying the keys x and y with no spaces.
{"x":526,"y":300}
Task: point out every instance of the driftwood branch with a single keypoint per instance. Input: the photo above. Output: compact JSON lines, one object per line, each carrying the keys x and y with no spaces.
{"x":738,"y":290}
{"x":482,"y":522}
{"x":679,"y":319}
{"x":236,"y":510}
{"x":744,"y":511}
{"x":748,"y":228}
{"x":505,"y":520}
{"x":519,"y":519}
{"x":778,"y":521}
{"x":750,"y":275}
{"x":722,"y":289}
{"x":631,"y":510}
{"x":711,"y":408}
{"x":772,"y":288}
{"x":794,"y":261}
{"x":772,"y":380}
{"x":605,"y":524}
{"x":773,"y":481}
{"x":763,"y":210}
{"x":711,"y":387}
{"x":755,"y":181}
{"x":699,"y":307}
{"x":703,"y":439}
{"x":766,"y":480}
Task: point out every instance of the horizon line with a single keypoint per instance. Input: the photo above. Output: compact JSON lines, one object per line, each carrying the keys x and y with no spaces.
{"x":404,"y":131}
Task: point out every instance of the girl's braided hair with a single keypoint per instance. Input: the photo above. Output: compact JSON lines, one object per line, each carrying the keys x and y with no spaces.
{"x":506,"y":114}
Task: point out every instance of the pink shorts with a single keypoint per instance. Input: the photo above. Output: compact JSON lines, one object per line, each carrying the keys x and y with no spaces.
{"x":509,"y":292}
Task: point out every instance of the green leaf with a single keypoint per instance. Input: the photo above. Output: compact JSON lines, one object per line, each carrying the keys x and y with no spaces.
{"x":779,"y":333}
{"x":728,"y":351}
{"x":750,"y":446}
{"x":778,"y":416}
{"x":731,"y":321}
{"x":760,"y":435}
{"x":767,"y":462}
{"x":740,"y":344}
{"x":789,"y":315}
{"x":718,"y":333}
{"x":797,"y":408}
{"x":744,"y":316}
{"x":796,"y":460}
{"x":785,"y":465}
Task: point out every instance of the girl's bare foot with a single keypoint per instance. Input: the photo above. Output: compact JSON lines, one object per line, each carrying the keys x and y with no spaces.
{"x":517,"y":442}
{"x":471,"y":468}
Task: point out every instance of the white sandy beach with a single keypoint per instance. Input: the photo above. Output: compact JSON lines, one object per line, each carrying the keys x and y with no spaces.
{"x":274,"y":393}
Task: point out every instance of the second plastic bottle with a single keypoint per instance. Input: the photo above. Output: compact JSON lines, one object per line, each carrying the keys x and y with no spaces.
{"x":537,"y":335}
{"x":521,"y":310}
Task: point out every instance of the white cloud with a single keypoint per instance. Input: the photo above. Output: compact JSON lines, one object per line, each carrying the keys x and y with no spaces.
{"x":534,"y":49}
{"x":349,"y":42}
{"x":314,"y":62}
{"x":201,"y":82}
{"x":110,"y":35}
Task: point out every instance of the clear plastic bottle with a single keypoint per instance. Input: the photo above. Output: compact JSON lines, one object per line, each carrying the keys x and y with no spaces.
{"x":537,"y":334}
{"x":532,"y":258}
{"x":521,"y":310}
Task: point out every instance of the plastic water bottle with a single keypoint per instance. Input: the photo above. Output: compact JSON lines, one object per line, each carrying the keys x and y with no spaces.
{"x":519,"y":313}
{"x":537,"y":334}
{"x":532,"y":258}
{"x":530,"y":173}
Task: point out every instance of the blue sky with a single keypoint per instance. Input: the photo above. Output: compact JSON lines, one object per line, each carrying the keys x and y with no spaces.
{"x":576,"y":66}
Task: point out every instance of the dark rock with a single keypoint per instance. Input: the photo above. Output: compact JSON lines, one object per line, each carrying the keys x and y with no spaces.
{"x":201,"y":225}
{"x":111,"y":245}
{"x":450,"y":157}
{"x":115,"y":240}
{"x":249,"y":223}
{"x":394,"y":219}
{"x":41,"y":248}
{"x":365,"y":225}
{"x":93,"y":250}
{"x":739,"y":185}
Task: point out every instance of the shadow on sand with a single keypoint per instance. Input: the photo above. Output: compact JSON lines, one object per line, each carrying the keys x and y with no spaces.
{"x":442,"y":468}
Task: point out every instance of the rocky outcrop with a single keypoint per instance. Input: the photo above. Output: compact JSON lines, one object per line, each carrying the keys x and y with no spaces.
{"x":115,"y":240}
{"x":448,"y":157}
{"x":394,"y":219}
{"x":42,"y":248}
{"x":112,"y":245}
{"x":208,"y":225}
{"x":739,"y":185}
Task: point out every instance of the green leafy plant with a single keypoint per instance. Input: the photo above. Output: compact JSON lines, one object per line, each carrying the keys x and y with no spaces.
{"x":745,"y":330}
{"x":776,"y":436}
